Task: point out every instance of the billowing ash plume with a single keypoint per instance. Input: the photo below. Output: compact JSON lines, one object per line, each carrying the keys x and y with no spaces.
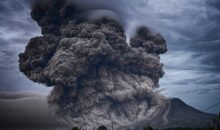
{"x":97,"y":77}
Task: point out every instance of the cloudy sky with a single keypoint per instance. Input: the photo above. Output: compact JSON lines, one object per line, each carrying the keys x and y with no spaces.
{"x":190,"y":27}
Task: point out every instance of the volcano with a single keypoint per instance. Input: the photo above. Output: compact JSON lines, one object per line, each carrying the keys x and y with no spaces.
{"x":97,"y":76}
{"x":175,"y":113}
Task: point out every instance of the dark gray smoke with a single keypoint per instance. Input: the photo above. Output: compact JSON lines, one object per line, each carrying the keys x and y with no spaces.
{"x":97,"y":76}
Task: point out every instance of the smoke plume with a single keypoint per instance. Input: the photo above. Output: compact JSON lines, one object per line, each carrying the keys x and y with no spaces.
{"x":96,"y":76}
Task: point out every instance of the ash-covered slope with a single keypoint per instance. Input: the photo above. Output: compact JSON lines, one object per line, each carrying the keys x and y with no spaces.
{"x":97,"y":77}
{"x":183,"y":115}
{"x":175,"y":113}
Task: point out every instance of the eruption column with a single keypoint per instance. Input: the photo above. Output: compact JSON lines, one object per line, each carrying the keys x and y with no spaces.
{"x":96,"y":77}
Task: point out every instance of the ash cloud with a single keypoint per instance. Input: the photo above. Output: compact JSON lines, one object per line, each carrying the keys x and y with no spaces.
{"x":16,"y":28}
{"x":96,"y":76}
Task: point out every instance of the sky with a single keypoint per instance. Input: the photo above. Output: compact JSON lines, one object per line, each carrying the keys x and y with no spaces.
{"x":190,"y":27}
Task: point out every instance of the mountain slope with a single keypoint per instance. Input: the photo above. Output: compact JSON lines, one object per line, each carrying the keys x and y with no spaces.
{"x":175,"y":113}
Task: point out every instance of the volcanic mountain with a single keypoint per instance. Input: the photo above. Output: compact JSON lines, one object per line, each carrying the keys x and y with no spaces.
{"x":96,"y":74}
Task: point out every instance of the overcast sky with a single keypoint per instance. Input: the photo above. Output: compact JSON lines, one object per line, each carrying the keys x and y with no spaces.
{"x":190,"y":27}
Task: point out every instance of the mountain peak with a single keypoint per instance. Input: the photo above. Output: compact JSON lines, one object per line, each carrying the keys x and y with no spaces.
{"x":176,"y":113}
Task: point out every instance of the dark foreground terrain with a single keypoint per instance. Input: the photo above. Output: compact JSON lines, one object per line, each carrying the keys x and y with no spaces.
{"x":26,"y":112}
